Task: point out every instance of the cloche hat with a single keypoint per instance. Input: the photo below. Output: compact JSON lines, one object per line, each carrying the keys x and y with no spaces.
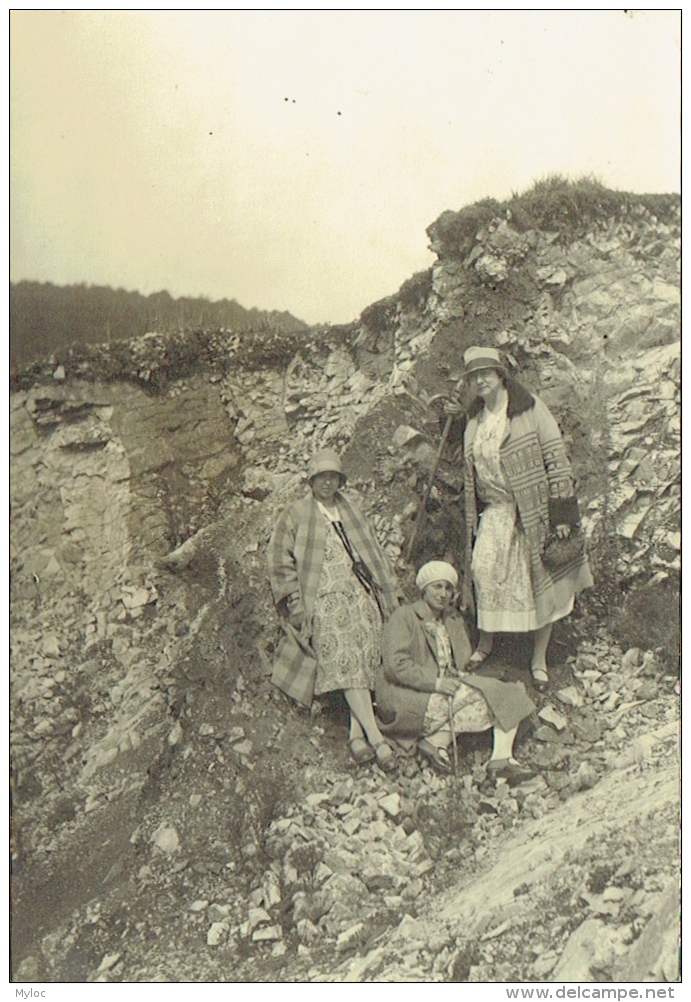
{"x":325,"y":461}
{"x":436,"y":570}
{"x":477,"y":358}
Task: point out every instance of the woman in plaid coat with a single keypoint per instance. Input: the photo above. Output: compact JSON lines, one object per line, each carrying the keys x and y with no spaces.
{"x":333,"y":586}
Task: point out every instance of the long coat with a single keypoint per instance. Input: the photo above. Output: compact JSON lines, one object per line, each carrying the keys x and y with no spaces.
{"x":295,"y":557}
{"x":539,"y":474}
{"x":410,"y":670}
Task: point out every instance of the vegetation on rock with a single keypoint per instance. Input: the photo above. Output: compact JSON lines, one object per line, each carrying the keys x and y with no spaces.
{"x":176,"y":819}
{"x":46,"y":319}
{"x":569,"y":208}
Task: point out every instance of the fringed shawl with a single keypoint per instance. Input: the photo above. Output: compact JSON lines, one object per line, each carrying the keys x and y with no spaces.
{"x":295,"y":555}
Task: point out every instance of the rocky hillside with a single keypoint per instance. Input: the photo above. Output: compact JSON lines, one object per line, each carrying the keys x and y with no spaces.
{"x":177,"y":819}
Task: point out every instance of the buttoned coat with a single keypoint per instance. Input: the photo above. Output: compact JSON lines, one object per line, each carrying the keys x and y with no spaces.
{"x":410,"y":671}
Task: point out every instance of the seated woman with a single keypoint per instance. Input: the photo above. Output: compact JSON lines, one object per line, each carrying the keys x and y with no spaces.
{"x":423,"y":691}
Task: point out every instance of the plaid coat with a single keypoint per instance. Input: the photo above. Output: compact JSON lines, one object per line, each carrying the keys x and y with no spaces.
{"x":536,"y":466}
{"x":295,"y":555}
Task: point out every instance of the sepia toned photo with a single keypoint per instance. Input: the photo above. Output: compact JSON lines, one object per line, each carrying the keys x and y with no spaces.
{"x":345,"y":499}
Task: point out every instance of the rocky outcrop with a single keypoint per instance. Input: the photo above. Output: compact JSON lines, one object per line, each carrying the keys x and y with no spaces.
{"x":599,"y":328}
{"x":109,"y":477}
{"x":104,"y":476}
{"x":592,"y":322}
{"x":146,"y":479}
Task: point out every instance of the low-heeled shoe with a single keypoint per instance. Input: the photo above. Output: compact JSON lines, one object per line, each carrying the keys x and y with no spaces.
{"x":512,"y":772}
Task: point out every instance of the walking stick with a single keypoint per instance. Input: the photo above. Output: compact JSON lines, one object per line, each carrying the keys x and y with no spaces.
{"x":425,"y":497}
{"x":453,"y":741}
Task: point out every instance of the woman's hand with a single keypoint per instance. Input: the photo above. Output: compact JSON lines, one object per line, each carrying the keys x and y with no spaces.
{"x":452,"y":408}
{"x":562,"y":531}
{"x":446,"y":686}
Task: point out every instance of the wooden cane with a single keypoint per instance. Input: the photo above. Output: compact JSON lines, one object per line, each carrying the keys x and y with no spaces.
{"x":425,"y":497}
{"x":453,"y":740}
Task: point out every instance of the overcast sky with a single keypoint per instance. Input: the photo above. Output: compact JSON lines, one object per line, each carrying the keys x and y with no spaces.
{"x":293,"y":160}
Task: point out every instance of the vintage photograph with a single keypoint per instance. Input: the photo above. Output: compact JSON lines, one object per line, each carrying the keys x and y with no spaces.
{"x":345,"y":498}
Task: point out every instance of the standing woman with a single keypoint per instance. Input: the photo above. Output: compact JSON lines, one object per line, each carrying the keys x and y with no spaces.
{"x":333,"y":584}
{"x":518,"y":489}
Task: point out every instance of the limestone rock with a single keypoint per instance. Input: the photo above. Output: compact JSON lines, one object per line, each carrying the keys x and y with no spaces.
{"x":256,"y":917}
{"x":391,"y":804}
{"x":588,"y":946}
{"x":348,"y":936}
{"x":217,"y":933}
{"x":586,"y":777}
{"x":166,"y":839}
{"x":633,"y":657}
{"x":553,"y":717}
{"x":267,"y":934}
{"x":654,"y":956}
{"x":108,"y":962}
{"x":570,"y":695}
{"x":406,"y":438}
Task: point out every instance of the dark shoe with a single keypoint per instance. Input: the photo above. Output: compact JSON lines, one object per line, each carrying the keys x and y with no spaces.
{"x":386,"y":758}
{"x":436,"y":757}
{"x":361,"y":751}
{"x":540,"y":678}
{"x":510,"y":770}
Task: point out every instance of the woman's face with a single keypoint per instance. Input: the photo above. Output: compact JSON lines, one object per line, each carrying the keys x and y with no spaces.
{"x":438,"y":595}
{"x":324,"y":486}
{"x":485,"y":382}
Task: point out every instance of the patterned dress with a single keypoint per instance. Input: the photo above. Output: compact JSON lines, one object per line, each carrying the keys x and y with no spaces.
{"x":470,"y":711}
{"x":501,"y":560}
{"x":347,"y":625}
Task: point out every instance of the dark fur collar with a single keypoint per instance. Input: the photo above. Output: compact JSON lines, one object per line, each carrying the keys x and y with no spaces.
{"x":520,"y":400}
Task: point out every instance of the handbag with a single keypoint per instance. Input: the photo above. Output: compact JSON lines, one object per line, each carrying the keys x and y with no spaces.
{"x":557,"y":552}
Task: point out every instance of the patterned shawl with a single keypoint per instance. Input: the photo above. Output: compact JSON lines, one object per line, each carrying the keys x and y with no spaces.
{"x":295,"y":555}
